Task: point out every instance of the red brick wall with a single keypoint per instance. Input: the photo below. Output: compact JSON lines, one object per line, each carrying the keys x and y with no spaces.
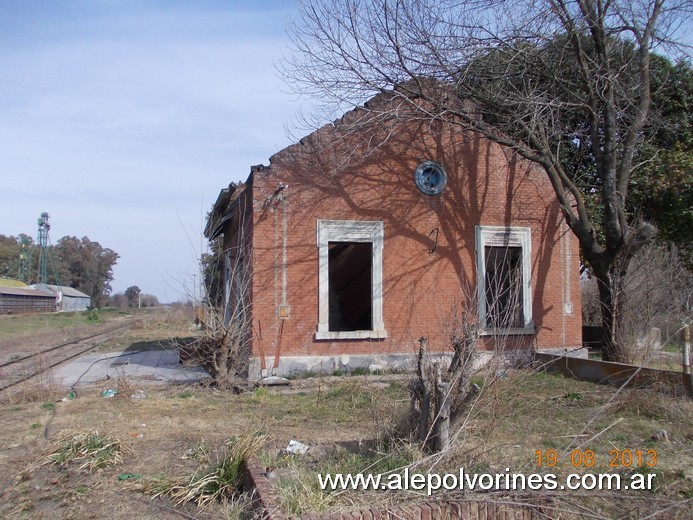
{"x":341,"y":179}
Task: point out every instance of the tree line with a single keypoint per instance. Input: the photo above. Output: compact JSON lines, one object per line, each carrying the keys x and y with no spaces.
{"x":132,"y":297}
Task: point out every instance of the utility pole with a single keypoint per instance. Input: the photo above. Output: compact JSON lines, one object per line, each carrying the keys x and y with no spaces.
{"x":24,"y":258}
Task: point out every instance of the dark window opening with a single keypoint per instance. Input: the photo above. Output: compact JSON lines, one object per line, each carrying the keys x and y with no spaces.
{"x":350,"y":281}
{"x":503,"y":279}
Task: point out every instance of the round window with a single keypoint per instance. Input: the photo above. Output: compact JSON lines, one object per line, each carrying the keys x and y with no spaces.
{"x":430,"y":178}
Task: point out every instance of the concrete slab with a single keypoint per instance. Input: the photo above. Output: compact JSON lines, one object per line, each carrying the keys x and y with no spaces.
{"x":152,"y":366}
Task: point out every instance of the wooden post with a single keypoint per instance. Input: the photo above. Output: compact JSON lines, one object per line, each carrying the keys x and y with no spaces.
{"x":441,"y":429}
{"x":425,"y":404}
{"x":686,"y":376}
{"x":686,"y":336}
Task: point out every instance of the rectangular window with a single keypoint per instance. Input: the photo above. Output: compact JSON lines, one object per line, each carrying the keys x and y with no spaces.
{"x":351,"y":305}
{"x":504,"y":289}
{"x":350,"y":280}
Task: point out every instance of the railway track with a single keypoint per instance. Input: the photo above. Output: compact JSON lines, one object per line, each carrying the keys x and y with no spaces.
{"x":20,"y":370}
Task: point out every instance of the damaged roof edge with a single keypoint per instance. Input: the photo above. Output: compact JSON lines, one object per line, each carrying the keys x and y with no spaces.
{"x":215,"y":227}
{"x":219,"y":210}
{"x":226,"y":202}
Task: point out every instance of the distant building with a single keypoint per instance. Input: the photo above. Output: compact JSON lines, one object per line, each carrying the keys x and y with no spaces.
{"x":69,"y":299}
{"x":25,"y":299}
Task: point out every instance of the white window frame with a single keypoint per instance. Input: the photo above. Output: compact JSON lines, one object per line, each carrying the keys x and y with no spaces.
{"x":350,"y":231}
{"x":499,"y":236}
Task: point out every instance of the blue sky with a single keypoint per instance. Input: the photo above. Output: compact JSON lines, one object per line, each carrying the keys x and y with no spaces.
{"x":123,"y":120}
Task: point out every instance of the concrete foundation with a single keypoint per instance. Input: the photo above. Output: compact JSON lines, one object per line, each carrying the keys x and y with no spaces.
{"x":291,"y":366}
{"x":605,"y":372}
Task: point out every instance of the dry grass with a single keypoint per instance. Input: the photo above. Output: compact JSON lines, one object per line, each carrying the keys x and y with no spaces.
{"x":42,"y":388}
{"x":218,"y":482}
{"x":26,"y":334}
{"x":171,"y":433}
{"x":523,"y":413}
{"x":93,"y":449}
{"x":529,"y":412}
{"x":178,"y":430}
{"x":296,"y":480}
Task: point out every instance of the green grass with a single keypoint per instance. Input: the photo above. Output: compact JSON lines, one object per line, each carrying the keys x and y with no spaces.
{"x":672,"y":348}
{"x":41,"y":322}
{"x":55,"y":320}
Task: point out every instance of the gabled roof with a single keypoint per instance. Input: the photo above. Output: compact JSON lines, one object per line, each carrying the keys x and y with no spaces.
{"x":26,"y":291}
{"x":70,"y":292}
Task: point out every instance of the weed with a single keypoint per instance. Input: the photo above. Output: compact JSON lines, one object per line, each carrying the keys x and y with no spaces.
{"x":550,"y":443}
{"x":302,"y":493}
{"x":260,"y":392}
{"x":128,"y":476}
{"x":48,"y":406}
{"x":335,"y":393}
{"x":124,"y":388}
{"x":478,"y":381}
{"x":94,"y":449}
{"x":573,"y":396}
{"x":94,"y":316}
{"x":240,"y":507}
{"x":78,"y":493}
{"x":185,"y":395}
{"x":35,"y":426}
{"x":41,"y":388}
{"x":199,"y":452}
{"x":218,"y":482}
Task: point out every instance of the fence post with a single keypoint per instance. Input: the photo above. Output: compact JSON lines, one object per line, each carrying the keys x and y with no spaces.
{"x":686,"y":361}
{"x":441,"y":428}
{"x":686,"y":333}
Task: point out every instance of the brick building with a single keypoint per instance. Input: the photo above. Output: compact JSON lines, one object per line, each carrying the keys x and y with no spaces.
{"x":360,"y":239}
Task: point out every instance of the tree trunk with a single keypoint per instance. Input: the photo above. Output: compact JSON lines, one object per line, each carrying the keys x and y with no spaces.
{"x":610,"y":268}
{"x":610,"y":284}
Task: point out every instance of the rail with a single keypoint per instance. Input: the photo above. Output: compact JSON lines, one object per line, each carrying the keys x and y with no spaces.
{"x":107,"y":334}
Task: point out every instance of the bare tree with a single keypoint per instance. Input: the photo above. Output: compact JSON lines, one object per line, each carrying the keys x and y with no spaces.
{"x":657,"y":292}
{"x":223,"y":347}
{"x":441,"y":398}
{"x":565,"y":84}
